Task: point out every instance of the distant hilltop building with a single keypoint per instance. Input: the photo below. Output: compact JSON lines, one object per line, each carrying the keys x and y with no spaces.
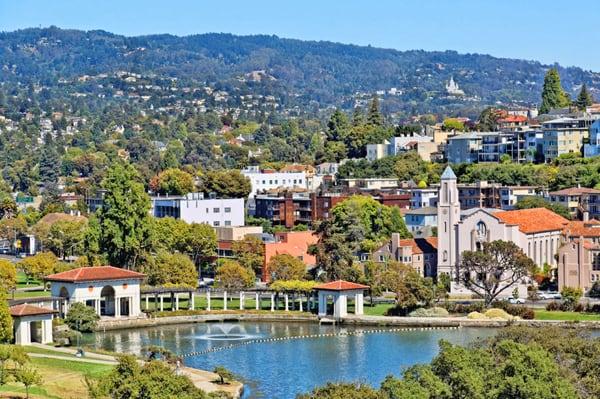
{"x":453,"y":89}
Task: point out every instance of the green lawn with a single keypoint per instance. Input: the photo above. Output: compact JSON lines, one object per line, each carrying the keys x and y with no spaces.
{"x":22,"y":281}
{"x":200,"y":303}
{"x":377,"y":310}
{"x":29,"y":294}
{"x":569,"y":316}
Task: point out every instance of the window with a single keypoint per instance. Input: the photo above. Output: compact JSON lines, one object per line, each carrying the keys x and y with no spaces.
{"x":445,"y":256}
{"x":381,"y":258}
{"x":481,"y":229}
{"x":228,"y":223}
{"x":227,"y":209}
{"x":216,"y":210}
{"x":207,"y":210}
{"x":216,"y":223}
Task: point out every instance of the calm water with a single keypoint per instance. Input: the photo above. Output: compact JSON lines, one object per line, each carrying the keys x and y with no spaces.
{"x":282,"y":369}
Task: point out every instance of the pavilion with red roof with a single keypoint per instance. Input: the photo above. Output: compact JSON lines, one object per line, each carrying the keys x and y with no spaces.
{"x":32,"y":324}
{"x":112,"y":291}
{"x":339,"y":291}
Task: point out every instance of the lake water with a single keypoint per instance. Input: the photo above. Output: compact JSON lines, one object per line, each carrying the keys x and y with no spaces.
{"x":281,"y":369}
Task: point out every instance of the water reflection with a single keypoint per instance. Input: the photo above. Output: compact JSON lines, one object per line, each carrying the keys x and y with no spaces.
{"x":281,"y":369}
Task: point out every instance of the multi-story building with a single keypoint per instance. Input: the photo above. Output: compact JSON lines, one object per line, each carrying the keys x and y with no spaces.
{"x":479,"y":195}
{"x":534,"y":146}
{"x":262,"y":180}
{"x":564,"y":136}
{"x":420,"y":253}
{"x":464,"y":148}
{"x":226,"y":236}
{"x":195,"y":208}
{"x":395,"y":145}
{"x":322,"y":203}
{"x":287,"y":208}
{"x":582,"y":203}
{"x":421,"y":222}
{"x":377,"y":183}
{"x":593,"y":148}
{"x":295,"y":243}
{"x":423,"y":197}
{"x":578,"y":264}
{"x":510,"y":195}
{"x":496,"y":144}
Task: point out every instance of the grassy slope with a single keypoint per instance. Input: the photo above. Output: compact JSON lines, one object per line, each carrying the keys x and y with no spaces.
{"x":558,"y":315}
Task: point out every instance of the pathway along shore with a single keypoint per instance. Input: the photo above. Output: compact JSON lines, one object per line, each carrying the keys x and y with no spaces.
{"x":363,"y":320}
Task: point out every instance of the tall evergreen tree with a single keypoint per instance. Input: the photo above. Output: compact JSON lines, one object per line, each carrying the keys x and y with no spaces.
{"x":124,"y":219}
{"x":358,"y":118}
{"x":374,"y":116}
{"x":553,"y":95}
{"x":49,"y":161}
{"x":337,"y":127}
{"x":584,"y":99}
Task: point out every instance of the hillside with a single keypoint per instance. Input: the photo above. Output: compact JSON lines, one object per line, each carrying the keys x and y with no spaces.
{"x":298,"y":73}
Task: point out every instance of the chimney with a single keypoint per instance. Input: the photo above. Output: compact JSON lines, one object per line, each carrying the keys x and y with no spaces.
{"x":586,"y":216}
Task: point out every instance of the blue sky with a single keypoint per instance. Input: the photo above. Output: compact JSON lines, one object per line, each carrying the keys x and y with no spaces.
{"x":548,"y":31}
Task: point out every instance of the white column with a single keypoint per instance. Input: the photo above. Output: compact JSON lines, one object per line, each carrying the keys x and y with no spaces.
{"x":118,"y":307}
{"x":257,"y":299}
{"x":47,"y":331}
{"x":272,"y":302}
{"x":241,"y":300}
{"x":162,"y":303}
{"x":176,"y":301}
{"x":340,"y":308}
{"x":322,"y":304}
{"x":358,"y":303}
{"x":300,"y":296}
{"x":224,"y":300}
{"x":97,"y":306}
{"x":208,"y":300}
{"x":147,"y":302}
{"x":192,"y":304}
{"x":286,"y":302}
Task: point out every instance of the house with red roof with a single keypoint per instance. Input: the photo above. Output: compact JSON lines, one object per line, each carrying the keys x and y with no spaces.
{"x":420,"y":253}
{"x":112,"y":291}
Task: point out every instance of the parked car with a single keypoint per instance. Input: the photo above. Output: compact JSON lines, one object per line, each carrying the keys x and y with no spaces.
{"x":516,"y":301}
{"x":550,"y":295}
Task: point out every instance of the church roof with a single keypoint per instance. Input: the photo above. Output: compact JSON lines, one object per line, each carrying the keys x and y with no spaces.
{"x":448,"y":174}
{"x":534,"y":220}
{"x":341,"y":285}
{"x":96,"y":273}
{"x":577,"y":228}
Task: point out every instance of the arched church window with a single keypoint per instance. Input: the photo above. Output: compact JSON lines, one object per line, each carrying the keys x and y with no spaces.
{"x":445,"y":256}
{"x":481,"y":229}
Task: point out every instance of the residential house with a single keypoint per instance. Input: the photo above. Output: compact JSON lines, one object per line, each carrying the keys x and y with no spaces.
{"x":464,"y":148}
{"x":564,"y":136}
{"x":582,"y":202}
{"x":421,"y":222}
{"x":420,"y":253}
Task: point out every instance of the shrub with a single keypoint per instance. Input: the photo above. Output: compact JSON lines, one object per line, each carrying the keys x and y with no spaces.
{"x":82,"y":318}
{"x":429,"y":312}
{"x":595,"y":308}
{"x":595,"y":290}
{"x":495,"y":313}
{"x":553,"y":306}
{"x":579,"y":307}
{"x":476,"y":316}
{"x":515,"y":310}
{"x":454,"y":307}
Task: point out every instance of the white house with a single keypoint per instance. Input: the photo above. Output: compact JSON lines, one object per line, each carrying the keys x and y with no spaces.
{"x":195,"y":208}
{"x":395,"y":145}
{"x":423,"y":197}
{"x":537,"y":231}
{"x":110,"y":290}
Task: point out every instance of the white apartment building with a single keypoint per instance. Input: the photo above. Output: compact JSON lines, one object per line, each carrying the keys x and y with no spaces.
{"x":267,"y":180}
{"x":194,"y":208}
{"x":423,"y":198}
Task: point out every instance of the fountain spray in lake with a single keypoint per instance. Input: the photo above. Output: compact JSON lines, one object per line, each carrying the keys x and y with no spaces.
{"x":226,"y":332}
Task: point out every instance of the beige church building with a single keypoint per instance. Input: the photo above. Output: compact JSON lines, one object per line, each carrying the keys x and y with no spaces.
{"x":538,"y":231}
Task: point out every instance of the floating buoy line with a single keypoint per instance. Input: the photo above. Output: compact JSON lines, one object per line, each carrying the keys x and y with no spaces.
{"x":313,"y":336}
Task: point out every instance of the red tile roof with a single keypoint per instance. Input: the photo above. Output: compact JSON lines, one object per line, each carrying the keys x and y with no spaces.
{"x":577,"y":228}
{"x":534,"y":220}
{"x":341,"y":285}
{"x":513,"y":119}
{"x":29,"y":310}
{"x":420,"y":245}
{"x":94,"y":274}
